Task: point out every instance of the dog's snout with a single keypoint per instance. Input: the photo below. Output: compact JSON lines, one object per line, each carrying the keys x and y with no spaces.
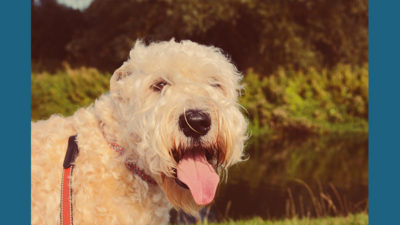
{"x":195,"y":123}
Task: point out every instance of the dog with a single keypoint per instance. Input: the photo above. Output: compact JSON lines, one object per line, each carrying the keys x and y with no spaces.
{"x":164,"y":136}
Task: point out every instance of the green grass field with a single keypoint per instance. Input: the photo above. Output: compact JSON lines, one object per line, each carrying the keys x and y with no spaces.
{"x":357,"y":219}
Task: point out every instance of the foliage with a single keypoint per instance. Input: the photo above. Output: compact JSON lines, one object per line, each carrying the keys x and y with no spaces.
{"x":289,"y":101}
{"x":357,"y":219}
{"x":65,"y":91}
{"x":259,"y":34}
{"x":311,"y":101}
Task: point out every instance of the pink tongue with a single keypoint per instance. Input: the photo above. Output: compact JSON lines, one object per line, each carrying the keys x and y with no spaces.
{"x":199,"y":176}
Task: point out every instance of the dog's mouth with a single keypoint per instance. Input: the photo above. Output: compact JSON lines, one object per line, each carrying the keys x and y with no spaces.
{"x":195,"y":171}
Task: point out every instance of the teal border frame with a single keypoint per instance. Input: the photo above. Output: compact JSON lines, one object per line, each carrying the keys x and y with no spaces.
{"x":384,"y":112}
{"x":15,"y":111}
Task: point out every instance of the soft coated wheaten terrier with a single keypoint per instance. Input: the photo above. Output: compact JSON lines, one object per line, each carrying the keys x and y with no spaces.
{"x":169,"y":127}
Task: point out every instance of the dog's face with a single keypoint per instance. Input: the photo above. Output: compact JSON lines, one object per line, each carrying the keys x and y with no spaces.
{"x":177,"y":106}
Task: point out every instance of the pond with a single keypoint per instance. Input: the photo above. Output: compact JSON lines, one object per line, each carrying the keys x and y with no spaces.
{"x":294,"y":176}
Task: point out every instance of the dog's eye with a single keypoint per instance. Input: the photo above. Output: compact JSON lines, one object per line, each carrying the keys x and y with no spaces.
{"x":159,"y":85}
{"x":216,"y":85}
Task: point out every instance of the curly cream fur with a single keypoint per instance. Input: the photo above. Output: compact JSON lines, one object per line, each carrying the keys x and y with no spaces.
{"x":145,"y":122}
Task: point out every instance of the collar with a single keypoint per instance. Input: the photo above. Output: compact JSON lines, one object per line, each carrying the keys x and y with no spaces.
{"x":132,"y":166}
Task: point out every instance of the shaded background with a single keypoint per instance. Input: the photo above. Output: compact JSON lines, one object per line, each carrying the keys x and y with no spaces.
{"x":259,"y":34}
{"x":306,"y":75}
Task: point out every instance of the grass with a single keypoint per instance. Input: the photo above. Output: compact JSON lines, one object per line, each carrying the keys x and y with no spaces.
{"x":288,"y":101}
{"x":65,"y":91}
{"x":356,"y":219}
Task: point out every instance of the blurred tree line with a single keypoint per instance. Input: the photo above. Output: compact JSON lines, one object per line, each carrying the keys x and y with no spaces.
{"x":259,"y":34}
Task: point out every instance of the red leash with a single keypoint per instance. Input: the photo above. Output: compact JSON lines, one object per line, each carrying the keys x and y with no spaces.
{"x":66,"y":203}
{"x":66,"y":190}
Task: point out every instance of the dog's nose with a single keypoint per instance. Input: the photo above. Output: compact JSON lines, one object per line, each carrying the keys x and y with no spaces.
{"x":195,"y":123}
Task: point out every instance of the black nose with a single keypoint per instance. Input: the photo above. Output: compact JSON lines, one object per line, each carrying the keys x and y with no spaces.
{"x":194,"y":123}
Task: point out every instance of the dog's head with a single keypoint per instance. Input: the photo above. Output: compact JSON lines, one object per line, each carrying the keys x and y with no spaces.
{"x":177,"y":108}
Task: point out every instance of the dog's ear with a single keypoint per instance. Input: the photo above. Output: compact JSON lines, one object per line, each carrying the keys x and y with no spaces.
{"x":123,"y":71}
{"x":119,"y":74}
{"x":127,"y":67}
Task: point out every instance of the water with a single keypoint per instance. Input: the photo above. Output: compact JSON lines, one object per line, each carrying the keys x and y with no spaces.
{"x":288,"y":176}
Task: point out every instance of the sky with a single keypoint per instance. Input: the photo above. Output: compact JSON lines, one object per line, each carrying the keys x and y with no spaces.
{"x":75,"y":4}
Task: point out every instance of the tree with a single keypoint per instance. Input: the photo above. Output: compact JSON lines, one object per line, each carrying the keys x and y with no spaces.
{"x":263,"y":35}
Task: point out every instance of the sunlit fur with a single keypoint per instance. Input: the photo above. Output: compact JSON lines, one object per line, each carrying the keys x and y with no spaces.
{"x":144,"y":121}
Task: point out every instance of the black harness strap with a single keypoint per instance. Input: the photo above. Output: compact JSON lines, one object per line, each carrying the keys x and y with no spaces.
{"x":72,"y":152}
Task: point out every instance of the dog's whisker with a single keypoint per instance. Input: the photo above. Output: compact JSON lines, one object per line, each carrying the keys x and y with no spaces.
{"x":184,"y":115}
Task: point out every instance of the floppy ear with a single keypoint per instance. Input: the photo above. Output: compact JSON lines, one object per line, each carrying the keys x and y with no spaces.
{"x":127,"y":67}
{"x":119,"y":74}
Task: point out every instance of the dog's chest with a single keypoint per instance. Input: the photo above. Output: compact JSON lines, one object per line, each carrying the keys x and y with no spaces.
{"x":106,"y":192}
